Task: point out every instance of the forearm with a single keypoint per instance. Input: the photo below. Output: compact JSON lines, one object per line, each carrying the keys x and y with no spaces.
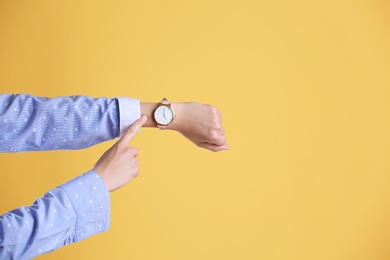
{"x":70,"y":213}
{"x":29,"y":123}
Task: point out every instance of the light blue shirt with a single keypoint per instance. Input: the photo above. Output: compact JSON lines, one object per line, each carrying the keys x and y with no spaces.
{"x":78,"y":208}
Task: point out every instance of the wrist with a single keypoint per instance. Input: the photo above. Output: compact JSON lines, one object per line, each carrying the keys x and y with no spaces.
{"x":177,"y":122}
{"x":104,"y":177}
{"x":148,"y":108}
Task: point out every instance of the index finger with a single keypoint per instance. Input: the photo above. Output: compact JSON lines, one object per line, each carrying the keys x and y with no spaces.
{"x":132,"y":131}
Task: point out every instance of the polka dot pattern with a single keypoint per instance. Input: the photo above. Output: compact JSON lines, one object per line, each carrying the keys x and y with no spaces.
{"x":64,"y":123}
{"x":72,"y":212}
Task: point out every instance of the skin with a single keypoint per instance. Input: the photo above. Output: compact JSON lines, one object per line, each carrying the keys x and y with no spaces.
{"x":199,"y":123}
{"x":119,"y":164}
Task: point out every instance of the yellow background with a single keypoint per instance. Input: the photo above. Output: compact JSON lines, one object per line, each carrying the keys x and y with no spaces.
{"x":304,"y":88}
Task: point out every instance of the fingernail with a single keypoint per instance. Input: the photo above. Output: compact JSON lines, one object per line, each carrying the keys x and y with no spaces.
{"x":143,"y":118}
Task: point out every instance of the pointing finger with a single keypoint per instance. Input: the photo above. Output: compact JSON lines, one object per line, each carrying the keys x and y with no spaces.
{"x":132,"y":131}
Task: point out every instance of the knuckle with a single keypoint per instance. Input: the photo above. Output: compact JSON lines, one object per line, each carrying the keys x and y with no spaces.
{"x":216,"y":112}
{"x":136,"y":171}
{"x":216,"y":119}
{"x":134,"y":150}
{"x":218,"y":128}
{"x":213,"y":137}
{"x":127,"y":151}
{"x":212,"y":109}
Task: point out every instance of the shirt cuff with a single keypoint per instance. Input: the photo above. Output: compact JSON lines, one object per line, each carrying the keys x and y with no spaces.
{"x":129,"y":111}
{"x":91,"y":201}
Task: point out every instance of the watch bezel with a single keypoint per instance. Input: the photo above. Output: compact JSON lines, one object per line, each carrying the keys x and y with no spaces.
{"x":173,"y":115}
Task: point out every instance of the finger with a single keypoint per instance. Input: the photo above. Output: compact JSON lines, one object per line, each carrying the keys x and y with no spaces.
{"x":132,"y":131}
{"x":134,"y":151}
{"x":214,"y":148}
{"x":220,"y":140}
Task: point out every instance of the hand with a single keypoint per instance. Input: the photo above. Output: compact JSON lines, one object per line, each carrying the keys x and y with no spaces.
{"x":201,"y":124}
{"x":119,"y":164}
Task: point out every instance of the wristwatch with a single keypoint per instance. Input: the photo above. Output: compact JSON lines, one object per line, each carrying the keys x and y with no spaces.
{"x":164,"y":114}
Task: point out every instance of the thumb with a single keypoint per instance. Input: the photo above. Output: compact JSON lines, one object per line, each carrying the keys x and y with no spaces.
{"x":132,"y":131}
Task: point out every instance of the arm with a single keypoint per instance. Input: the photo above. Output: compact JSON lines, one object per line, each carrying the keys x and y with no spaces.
{"x":31,"y":123}
{"x":67,"y":214}
{"x":73,"y":211}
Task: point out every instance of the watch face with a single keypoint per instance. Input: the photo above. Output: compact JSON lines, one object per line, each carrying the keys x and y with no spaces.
{"x":163,"y":115}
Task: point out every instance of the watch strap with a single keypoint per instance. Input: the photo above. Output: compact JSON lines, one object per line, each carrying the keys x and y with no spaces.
{"x":165,"y":102}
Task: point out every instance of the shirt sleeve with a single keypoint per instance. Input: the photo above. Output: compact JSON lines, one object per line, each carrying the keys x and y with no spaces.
{"x":69,"y":213}
{"x":29,"y":123}
{"x":127,"y":118}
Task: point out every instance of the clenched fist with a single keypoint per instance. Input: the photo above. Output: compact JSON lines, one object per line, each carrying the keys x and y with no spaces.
{"x":201,"y":124}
